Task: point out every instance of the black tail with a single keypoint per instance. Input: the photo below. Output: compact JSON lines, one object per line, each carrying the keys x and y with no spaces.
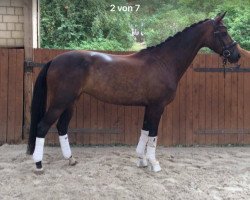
{"x":38,"y":106}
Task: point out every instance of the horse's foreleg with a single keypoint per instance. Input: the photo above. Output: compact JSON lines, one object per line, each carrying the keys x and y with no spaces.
{"x":147,"y":144}
{"x":62,"y":127}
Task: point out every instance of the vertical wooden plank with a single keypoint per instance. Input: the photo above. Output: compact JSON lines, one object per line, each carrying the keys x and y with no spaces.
{"x":189,"y":107}
{"x":195,"y":99}
{"x":228,"y":106}
{"x":246,"y":139}
{"x":128,"y":121}
{"x":80,"y":119}
{"x":221,"y":115}
{"x":241,"y":104}
{"x":160,"y":133}
{"x":134,"y":124}
{"x":11,"y":96}
{"x":208,"y":99}
{"x":101,"y":117}
{"x":166,"y":134}
{"x":121,"y":125}
{"x":140,"y":122}
{"x":86,"y":117}
{"x":4,"y":63}
{"x":107,"y":123}
{"x":93,"y":120}
{"x":234,"y":108}
{"x":114,"y":124}
{"x":167,"y":128}
{"x":182,"y":100}
{"x":176,"y":118}
{"x":202,"y":100}
{"x":28,"y":49}
{"x":215,"y":101}
{"x":19,"y":95}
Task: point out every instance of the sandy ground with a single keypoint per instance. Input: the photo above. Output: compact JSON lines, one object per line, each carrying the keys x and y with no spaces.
{"x":110,"y":173}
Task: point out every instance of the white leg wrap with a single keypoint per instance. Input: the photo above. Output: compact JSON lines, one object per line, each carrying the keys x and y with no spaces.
{"x":64,"y":142}
{"x":141,"y":147}
{"x":38,"y":153}
{"x":151,"y":147}
{"x":140,"y":150}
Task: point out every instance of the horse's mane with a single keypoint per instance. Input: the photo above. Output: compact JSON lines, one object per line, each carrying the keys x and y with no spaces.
{"x":172,"y":37}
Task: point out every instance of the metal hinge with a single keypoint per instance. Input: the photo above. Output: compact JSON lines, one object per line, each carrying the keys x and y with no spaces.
{"x":29,"y":65}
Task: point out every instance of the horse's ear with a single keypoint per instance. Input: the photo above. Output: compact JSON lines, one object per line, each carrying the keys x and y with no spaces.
{"x":219,"y":17}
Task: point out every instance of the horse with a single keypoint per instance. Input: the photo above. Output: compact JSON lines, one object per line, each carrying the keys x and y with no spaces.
{"x":146,"y":78}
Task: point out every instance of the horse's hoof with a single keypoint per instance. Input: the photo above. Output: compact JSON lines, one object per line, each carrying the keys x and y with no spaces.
{"x":72,"y":161}
{"x":142,"y":162}
{"x":39,"y":171}
{"x":154,"y":166}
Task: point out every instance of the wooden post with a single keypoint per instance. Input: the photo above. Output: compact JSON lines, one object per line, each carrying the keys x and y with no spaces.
{"x":30,"y":42}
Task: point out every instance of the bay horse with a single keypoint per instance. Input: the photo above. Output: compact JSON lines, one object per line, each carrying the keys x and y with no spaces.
{"x":147,"y":78}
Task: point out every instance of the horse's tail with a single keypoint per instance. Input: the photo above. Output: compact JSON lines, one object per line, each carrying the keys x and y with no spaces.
{"x":38,"y":106}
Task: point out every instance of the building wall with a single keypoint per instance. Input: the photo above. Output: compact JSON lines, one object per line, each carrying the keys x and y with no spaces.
{"x":11,"y":23}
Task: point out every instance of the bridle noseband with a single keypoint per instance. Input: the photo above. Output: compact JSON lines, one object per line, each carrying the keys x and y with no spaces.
{"x":226,"y":53}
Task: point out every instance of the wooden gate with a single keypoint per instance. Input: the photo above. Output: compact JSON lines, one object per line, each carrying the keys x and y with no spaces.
{"x":209,"y":108}
{"x":11,"y":95}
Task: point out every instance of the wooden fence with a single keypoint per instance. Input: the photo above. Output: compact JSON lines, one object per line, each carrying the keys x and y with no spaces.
{"x":11,"y":95}
{"x":209,"y":108}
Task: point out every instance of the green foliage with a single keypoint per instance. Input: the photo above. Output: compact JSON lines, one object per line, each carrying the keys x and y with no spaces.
{"x":237,"y":20}
{"x":174,"y":16}
{"x":89,"y":24}
{"x":84,"y":24}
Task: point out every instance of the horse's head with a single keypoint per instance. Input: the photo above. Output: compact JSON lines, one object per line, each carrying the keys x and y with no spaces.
{"x":221,"y":42}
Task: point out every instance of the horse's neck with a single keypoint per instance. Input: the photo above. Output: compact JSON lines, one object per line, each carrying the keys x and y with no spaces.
{"x":243,"y":51}
{"x":180,"y":51}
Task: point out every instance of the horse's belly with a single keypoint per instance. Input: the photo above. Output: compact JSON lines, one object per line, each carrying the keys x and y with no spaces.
{"x":118,"y":95}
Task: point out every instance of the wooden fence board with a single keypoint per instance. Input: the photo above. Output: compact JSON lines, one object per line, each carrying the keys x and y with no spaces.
{"x":208,"y":98}
{"x":4,"y":62}
{"x":189,"y":107}
{"x":11,"y":95}
{"x":215,"y":101}
{"x":202,"y":100}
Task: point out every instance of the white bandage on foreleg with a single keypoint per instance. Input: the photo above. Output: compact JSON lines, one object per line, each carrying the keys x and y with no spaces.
{"x":64,"y":142}
{"x":38,"y":153}
{"x":151,"y":147}
{"x":141,"y":147}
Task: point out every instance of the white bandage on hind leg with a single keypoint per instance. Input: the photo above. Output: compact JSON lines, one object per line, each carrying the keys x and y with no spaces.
{"x":38,"y":153}
{"x":64,"y":142}
{"x":141,"y":147}
{"x":151,"y":147}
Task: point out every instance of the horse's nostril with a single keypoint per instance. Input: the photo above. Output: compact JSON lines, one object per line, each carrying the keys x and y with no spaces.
{"x":239,"y":56}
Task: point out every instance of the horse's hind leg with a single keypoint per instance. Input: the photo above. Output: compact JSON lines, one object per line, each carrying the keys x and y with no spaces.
{"x":62,"y":127}
{"x":147,"y":144}
{"x":49,"y":118}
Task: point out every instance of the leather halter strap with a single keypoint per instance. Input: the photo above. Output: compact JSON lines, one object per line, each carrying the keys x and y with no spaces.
{"x":225,"y":48}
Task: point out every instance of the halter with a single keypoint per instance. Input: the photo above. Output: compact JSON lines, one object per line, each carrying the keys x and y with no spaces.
{"x":226,"y":53}
{"x":225,"y":48}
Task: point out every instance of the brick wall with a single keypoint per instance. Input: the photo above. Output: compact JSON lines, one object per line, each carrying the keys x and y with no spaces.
{"x":11,"y":23}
